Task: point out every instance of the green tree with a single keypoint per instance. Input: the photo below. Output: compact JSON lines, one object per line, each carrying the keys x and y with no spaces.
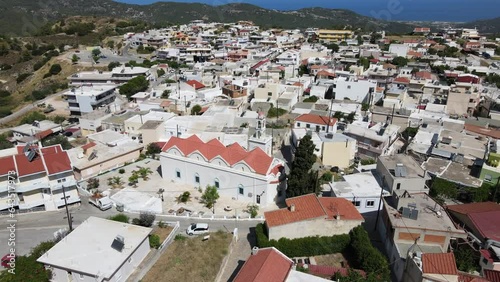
{"x":210,"y":197}
{"x":367,"y":256}
{"x":364,"y":62}
{"x":465,"y":259}
{"x":96,"y":52}
{"x":153,"y":148}
{"x":154,"y":241}
{"x":75,"y":59}
{"x":55,"y":69}
{"x":195,"y":110}
{"x":115,"y":181}
{"x":133,"y":179}
{"x":110,"y":44}
{"x":143,"y":172}
{"x":165,"y":94}
{"x":302,"y":180}
{"x":160,"y":72}
{"x":32,"y":117}
{"x":303,"y":69}
{"x":334,"y":47}
{"x":58,"y":119}
{"x":27,"y":268}
{"x":58,"y":139}
{"x":92,"y":183}
{"x":253,"y":210}
{"x":136,"y":84}
{"x":400,"y":61}
{"x":4,"y":143}
{"x":120,"y":218}
{"x":113,"y":65}
{"x":442,"y":189}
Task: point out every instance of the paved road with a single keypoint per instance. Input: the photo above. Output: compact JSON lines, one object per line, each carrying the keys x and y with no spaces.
{"x":24,"y":110}
{"x":33,"y":228}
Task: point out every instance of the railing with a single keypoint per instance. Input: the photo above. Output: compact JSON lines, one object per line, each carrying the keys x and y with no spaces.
{"x":170,"y":236}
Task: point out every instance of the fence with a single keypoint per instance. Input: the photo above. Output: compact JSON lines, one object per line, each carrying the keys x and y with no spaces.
{"x":212,"y":217}
{"x":223,"y":266}
{"x":170,"y":236}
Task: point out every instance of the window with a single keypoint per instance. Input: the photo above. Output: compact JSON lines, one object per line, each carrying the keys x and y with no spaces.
{"x":370,"y":203}
{"x":61,"y":180}
{"x":216,"y":183}
{"x":178,"y":173}
{"x":308,"y":125}
{"x":241,"y":189}
{"x":269,"y":94}
{"x":398,"y":186}
{"x":356,"y":203}
{"x":298,"y":124}
{"x":197,"y":178}
{"x":487,"y":177}
{"x":323,"y":128}
{"x":257,"y":199}
{"x":81,"y":276}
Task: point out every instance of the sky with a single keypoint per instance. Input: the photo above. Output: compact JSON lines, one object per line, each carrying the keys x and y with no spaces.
{"x":409,"y":10}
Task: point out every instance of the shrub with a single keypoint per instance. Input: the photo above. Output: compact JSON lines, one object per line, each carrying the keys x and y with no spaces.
{"x":312,"y":99}
{"x":307,"y":246}
{"x":253,"y":210}
{"x":55,"y":69}
{"x":121,"y":171}
{"x":368,"y":257}
{"x":184,"y":197}
{"x":120,"y":218}
{"x":327,"y":176}
{"x":21,"y":77}
{"x":154,"y":241}
{"x":162,"y":224}
{"x":368,"y":161}
{"x":145,"y":219}
{"x":179,"y":237}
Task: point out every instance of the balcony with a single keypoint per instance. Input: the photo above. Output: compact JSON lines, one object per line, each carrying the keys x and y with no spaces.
{"x":32,"y":185}
{"x":70,"y":182}
{"x":31,"y":204}
{"x":74,"y":109}
{"x":69,"y":200}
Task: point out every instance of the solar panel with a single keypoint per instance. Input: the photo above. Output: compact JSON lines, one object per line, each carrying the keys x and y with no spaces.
{"x":93,"y":155}
{"x":31,"y":155}
{"x":118,"y":243}
{"x":414,"y":214}
{"x":406,"y":212}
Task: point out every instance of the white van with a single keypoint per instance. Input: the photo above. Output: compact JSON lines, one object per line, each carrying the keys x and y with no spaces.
{"x":197,"y":229}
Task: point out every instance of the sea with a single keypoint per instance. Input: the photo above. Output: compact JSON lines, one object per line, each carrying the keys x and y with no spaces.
{"x":397,"y":10}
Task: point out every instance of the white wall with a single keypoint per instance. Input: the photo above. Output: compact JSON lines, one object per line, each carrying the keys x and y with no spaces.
{"x":354,"y":90}
{"x":313,"y":227}
{"x":229,"y":178}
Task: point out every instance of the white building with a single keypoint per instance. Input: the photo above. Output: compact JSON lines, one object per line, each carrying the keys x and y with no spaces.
{"x":401,"y":50}
{"x":29,"y":132}
{"x":98,"y":250}
{"x":86,"y":99}
{"x":38,"y":176}
{"x":353,"y":89}
{"x":117,"y":76}
{"x":316,"y":123}
{"x":251,"y":176}
{"x":362,"y":189}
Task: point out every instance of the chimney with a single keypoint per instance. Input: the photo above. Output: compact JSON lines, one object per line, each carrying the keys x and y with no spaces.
{"x":338,"y":216}
{"x":292,"y":207}
{"x":255,"y":250}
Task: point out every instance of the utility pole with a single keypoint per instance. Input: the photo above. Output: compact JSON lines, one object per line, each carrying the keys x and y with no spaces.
{"x":68,"y":215}
{"x":496,"y":190}
{"x":380,"y":201}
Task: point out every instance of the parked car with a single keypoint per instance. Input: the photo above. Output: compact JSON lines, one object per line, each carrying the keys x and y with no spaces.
{"x":5,"y":260}
{"x":103,"y":203}
{"x":197,"y":229}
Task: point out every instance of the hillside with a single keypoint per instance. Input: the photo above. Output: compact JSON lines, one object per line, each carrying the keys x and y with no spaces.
{"x":491,"y":26}
{"x":26,"y":16}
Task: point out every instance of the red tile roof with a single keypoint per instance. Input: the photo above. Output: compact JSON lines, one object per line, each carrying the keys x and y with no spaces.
{"x":268,"y":265}
{"x":297,"y":84}
{"x":494,"y":133}
{"x":492,"y":275}
{"x":439,"y":264}
{"x":256,"y":159}
{"x":402,"y":80}
{"x":43,"y":134}
{"x":6,"y":165}
{"x":88,"y":145}
{"x":24,"y":167}
{"x":468,"y":78}
{"x":56,"y":161}
{"x":423,"y":74}
{"x":474,"y":207}
{"x":467,"y":277}
{"x":310,"y":207}
{"x":196,"y":84}
{"x":325,"y":73}
{"x":341,"y":207}
{"x":316,"y":119}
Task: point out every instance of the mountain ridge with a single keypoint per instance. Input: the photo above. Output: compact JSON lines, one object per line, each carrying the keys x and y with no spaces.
{"x":21,"y":17}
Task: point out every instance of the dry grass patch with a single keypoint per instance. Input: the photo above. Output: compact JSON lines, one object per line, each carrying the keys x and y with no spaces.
{"x":191,"y":259}
{"x":337,"y":260}
{"x":162,"y":232}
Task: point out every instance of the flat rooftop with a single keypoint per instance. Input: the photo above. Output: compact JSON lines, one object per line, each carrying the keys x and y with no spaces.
{"x":88,"y":248}
{"x":151,"y":124}
{"x":121,"y":118}
{"x":431,"y":216}
{"x":363,"y":184}
{"x":451,"y":171}
{"x":413,"y":169}
{"x":90,"y":90}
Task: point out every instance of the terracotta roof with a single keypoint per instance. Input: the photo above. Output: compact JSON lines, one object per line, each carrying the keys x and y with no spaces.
{"x":7,"y":164}
{"x":43,"y":134}
{"x":492,"y":275}
{"x":298,"y":84}
{"x":487,"y":223}
{"x":56,"y":162}
{"x":314,"y":67}
{"x":402,"y":80}
{"x":268,"y":265}
{"x":256,"y":159}
{"x":325,"y":73}
{"x":196,"y":84}
{"x":340,"y":206}
{"x":88,"y":145}
{"x":494,"y":133}
{"x":423,"y":74}
{"x":309,"y":207}
{"x":316,"y":119}
{"x":24,"y":167}
{"x":259,"y":64}
{"x":439,"y":264}
{"x":474,"y":207}
{"x":468,"y":78}
{"x":467,"y":277}
{"x":165,"y":104}
{"x":414,"y":53}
